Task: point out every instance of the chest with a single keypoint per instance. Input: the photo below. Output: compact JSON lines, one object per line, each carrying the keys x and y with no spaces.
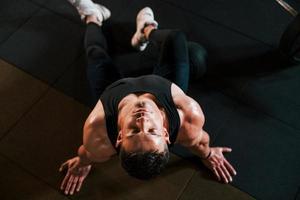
{"x":133,"y":97}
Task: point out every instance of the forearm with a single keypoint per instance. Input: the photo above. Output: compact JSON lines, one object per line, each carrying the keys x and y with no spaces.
{"x":87,"y":158}
{"x":84,"y":157}
{"x":202,"y":148}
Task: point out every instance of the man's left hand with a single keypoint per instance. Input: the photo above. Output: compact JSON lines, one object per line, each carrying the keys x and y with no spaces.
{"x":218,"y":164}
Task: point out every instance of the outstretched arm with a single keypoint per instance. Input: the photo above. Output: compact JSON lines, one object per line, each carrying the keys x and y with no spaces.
{"x":78,"y":169}
{"x":213,"y":158}
{"x":193,"y":137}
{"x":96,"y":148}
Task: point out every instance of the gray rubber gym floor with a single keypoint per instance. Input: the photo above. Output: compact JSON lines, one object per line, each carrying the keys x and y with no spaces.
{"x":249,"y":105}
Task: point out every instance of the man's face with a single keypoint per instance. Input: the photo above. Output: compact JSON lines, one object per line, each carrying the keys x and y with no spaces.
{"x":142,"y":128}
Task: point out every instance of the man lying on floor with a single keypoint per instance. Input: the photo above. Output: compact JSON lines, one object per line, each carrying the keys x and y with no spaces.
{"x":140,"y":118}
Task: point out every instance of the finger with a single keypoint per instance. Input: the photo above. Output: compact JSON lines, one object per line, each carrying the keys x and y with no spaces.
{"x":226,"y":149}
{"x":69,"y":184}
{"x":227,"y":174}
{"x":63,"y":184}
{"x":217,"y":174}
{"x":74,"y":185}
{"x":229,"y":167}
{"x":221,"y":173}
{"x":81,"y":179}
{"x":215,"y":161}
{"x":63,"y":166}
{"x":88,"y":169}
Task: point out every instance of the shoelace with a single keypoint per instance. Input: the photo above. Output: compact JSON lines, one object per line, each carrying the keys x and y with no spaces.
{"x":287,"y":7}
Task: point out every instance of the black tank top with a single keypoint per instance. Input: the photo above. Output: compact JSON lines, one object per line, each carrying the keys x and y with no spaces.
{"x":153,"y":84}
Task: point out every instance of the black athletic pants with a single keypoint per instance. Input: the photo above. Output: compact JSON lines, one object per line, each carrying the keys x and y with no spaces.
{"x":173,"y":61}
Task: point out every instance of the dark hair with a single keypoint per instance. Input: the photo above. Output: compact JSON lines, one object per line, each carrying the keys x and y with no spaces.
{"x":144,"y":165}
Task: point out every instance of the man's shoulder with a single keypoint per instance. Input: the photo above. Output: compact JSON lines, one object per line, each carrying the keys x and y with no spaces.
{"x":191,"y":117}
{"x":97,"y":114}
{"x":95,"y":137}
{"x":176,"y":91}
{"x":191,"y":128}
{"x":186,"y":104}
{"x":95,"y":125}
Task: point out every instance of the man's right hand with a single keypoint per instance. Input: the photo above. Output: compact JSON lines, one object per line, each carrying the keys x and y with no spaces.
{"x":75,"y":175}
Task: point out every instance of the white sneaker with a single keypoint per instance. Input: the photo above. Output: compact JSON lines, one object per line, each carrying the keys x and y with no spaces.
{"x":87,"y":7}
{"x":145,"y":17}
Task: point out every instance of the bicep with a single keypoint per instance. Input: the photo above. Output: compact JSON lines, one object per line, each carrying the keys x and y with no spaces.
{"x":95,"y":139}
{"x":192,"y":122}
{"x":92,"y":155}
{"x":97,"y":143}
{"x":98,"y":150}
{"x":185,"y":103}
{"x":194,"y":111}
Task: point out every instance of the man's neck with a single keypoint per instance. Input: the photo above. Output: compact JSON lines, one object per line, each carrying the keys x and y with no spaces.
{"x":130,"y":100}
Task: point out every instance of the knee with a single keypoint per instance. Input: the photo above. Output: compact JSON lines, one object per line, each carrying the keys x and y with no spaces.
{"x":176,"y":38}
{"x":96,"y":52}
{"x":176,"y":34}
{"x":197,"y":60}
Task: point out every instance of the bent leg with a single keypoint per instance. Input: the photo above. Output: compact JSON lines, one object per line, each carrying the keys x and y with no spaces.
{"x":174,"y":59}
{"x":100,"y":70}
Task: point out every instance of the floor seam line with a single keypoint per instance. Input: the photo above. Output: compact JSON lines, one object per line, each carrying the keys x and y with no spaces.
{"x":220,"y":24}
{"x":185,"y":186}
{"x":25,"y":113}
{"x":55,"y":13}
{"x":249,"y":106}
{"x":29,"y":173}
{"x":297,"y":193}
{"x":66,"y":70}
{"x":20,"y":26}
{"x":52,"y":84}
{"x":240,"y":101}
